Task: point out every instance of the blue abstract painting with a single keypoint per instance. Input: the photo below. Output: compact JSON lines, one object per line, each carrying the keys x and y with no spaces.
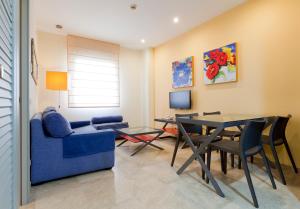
{"x":183,"y":73}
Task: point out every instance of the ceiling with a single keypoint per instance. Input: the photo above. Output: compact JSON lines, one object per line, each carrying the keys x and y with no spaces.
{"x":114,"y":21}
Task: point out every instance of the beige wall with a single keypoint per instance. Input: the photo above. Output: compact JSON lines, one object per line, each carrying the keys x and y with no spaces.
{"x":53,"y":56}
{"x":267,"y":33}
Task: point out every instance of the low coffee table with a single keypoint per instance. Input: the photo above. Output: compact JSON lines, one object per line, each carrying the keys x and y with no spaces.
{"x":145,"y":135}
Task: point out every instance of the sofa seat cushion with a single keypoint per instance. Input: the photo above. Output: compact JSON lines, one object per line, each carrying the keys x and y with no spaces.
{"x":85,"y":130}
{"x":56,"y":125}
{"x":117,"y":125}
{"x":107,"y":119}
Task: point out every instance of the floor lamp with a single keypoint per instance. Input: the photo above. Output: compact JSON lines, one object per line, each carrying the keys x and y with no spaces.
{"x":57,"y":81}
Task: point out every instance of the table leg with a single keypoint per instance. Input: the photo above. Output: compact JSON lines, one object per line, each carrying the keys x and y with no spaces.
{"x":196,"y":154}
{"x":184,"y":145}
{"x":165,"y":125}
{"x":179,"y":137}
{"x":153,"y":145}
{"x":139,"y":149}
{"x":123,"y":142}
{"x":150,"y":142}
{"x":186,"y":164}
{"x":146,"y":144}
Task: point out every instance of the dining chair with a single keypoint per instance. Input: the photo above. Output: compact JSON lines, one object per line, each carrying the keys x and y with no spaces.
{"x":250,"y":144}
{"x":225,"y":133}
{"x":276,"y":138}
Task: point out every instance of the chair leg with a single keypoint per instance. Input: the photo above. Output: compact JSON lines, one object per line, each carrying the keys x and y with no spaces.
{"x":225,"y":162}
{"x":252,"y":159}
{"x":277,"y":164}
{"x":232,"y":156}
{"x":267,"y":165}
{"x":232,"y":160}
{"x":290,"y":155}
{"x":203,"y":172}
{"x":250,"y":184}
{"x":176,"y":149}
{"x":222,"y":160}
{"x":240,"y":163}
{"x":208,"y":162}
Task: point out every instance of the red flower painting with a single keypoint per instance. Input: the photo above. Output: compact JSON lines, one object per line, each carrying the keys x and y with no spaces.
{"x":212,"y":71}
{"x":214,"y":54}
{"x":220,"y":64}
{"x":221,"y":59}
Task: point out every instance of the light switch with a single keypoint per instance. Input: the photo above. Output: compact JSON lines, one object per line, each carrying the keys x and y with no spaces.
{"x":1,"y":71}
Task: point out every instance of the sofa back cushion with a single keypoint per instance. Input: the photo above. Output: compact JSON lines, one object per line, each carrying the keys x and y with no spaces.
{"x":107,"y":119}
{"x":56,"y":125}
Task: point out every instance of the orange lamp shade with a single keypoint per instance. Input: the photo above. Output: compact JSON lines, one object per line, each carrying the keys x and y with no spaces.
{"x":57,"y":80}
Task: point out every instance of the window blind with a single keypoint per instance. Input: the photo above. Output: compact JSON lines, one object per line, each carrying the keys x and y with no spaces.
{"x":93,"y":68}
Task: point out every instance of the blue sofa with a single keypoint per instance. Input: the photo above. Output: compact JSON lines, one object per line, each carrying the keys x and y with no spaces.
{"x":51,"y":157}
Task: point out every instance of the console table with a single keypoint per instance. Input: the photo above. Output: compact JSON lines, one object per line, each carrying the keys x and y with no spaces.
{"x":166,"y":121}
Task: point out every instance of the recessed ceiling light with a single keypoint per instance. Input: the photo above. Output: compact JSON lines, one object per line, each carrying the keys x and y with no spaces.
{"x":143,"y":41}
{"x":133,"y":6}
{"x":175,"y":19}
{"x":59,"y":27}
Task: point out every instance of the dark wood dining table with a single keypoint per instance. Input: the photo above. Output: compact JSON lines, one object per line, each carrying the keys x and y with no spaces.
{"x":219,"y":122}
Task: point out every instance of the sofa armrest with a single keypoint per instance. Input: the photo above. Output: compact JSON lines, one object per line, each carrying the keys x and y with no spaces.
{"x":78,"y":124}
{"x":107,"y":119}
{"x":45,"y":149}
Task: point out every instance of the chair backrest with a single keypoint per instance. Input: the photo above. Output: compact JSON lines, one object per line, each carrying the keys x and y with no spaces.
{"x":212,"y":113}
{"x":278,"y":128}
{"x":251,"y":136}
{"x":190,"y":128}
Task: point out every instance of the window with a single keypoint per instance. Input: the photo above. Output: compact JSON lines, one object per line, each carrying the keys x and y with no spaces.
{"x":93,"y":73}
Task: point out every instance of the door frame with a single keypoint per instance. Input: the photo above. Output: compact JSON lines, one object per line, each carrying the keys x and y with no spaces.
{"x":16,"y":106}
{"x":23,"y":88}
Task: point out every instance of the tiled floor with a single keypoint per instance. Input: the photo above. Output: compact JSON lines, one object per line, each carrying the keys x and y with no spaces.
{"x":147,"y":181}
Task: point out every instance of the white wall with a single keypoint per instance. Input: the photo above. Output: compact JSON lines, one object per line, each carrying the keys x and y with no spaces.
{"x":33,"y":88}
{"x":52,"y":49}
{"x":148,"y":87}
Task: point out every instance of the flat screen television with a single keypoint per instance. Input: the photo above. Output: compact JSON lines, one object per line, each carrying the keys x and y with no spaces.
{"x":180,"y":99}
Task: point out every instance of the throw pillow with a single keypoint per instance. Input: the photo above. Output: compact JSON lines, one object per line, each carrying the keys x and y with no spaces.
{"x":56,"y":125}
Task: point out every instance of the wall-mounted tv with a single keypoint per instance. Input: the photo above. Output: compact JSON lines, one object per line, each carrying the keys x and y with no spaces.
{"x":180,"y":99}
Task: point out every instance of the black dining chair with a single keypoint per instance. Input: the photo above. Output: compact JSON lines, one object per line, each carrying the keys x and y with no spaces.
{"x":276,"y":138}
{"x":250,"y":144}
{"x":225,"y":133}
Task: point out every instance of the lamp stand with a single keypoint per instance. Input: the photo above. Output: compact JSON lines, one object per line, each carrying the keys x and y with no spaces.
{"x":58,"y":99}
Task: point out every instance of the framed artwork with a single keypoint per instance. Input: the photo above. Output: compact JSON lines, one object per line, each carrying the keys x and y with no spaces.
{"x":182,"y":73}
{"x":220,"y":65}
{"x":34,"y":63}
